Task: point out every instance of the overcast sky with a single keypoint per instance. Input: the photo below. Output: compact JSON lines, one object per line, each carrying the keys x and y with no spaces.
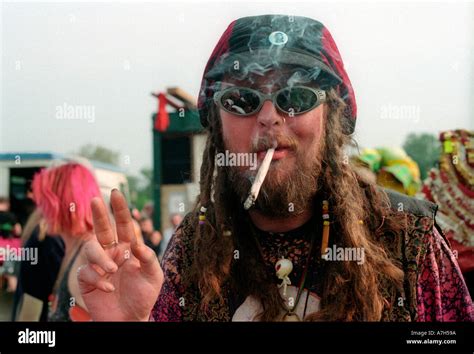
{"x":411,"y":65}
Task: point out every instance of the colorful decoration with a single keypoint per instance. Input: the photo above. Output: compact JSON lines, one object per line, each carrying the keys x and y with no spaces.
{"x":451,"y":186}
{"x":202,"y":215}
{"x":393,"y":169}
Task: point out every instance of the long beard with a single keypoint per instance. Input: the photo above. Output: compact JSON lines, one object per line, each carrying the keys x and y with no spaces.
{"x":282,"y":194}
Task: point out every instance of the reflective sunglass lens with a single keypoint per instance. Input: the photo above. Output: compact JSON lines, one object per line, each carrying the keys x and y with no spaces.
{"x":240,"y":101}
{"x":296,"y":100}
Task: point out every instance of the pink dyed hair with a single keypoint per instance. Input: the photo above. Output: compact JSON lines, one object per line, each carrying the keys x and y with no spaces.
{"x":63,"y":195}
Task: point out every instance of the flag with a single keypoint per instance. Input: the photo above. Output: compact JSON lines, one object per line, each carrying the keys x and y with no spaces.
{"x":162,"y":119}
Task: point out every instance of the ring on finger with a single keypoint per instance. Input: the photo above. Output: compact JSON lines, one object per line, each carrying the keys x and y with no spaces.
{"x":109,"y":245}
{"x":80,"y":268}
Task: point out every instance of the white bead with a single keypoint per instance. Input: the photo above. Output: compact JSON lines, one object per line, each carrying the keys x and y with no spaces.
{"x":283,"y":268}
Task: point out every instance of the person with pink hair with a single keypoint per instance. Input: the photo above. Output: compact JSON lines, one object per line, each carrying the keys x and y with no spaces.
{"x":63,"y":195}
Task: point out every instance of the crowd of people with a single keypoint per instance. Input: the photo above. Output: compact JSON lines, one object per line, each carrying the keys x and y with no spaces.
{"x":46,"y":288}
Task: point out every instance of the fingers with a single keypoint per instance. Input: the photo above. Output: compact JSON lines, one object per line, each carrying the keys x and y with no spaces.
{"x":123,"y":219}
{"x":102,"y":227}
{"x":147,"y":258}
{"x":95,"y":254}
{"x":89,"y":280}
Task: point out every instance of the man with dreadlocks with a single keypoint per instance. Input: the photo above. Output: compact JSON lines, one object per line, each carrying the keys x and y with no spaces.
{"x":301,"y":237}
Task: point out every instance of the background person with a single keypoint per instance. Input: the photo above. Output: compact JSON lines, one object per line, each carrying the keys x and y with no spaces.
{"x":36,"y":281}
{"x":175,"y":221}
{"x":10,"y":231}
{"x":63,"y":195}
{"x":151,"y":237}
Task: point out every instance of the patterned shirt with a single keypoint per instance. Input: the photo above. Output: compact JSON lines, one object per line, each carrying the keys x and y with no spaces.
{"x":441,"y":293}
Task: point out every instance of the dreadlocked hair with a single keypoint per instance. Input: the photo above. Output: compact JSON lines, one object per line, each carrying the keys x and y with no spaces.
{"x":361,"y":214}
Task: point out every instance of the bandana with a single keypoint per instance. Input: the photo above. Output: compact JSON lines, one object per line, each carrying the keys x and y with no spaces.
{"x":258,"y":43}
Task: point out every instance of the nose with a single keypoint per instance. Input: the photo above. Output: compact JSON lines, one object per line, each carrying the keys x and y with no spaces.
{"x":269,"y":117}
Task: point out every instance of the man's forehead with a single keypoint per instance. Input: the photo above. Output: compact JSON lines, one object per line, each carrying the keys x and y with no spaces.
{"x":266,"y":78}
{"x":271,"y":79}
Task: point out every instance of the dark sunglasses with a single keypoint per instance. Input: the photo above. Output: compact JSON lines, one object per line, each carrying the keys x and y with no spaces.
{"x":244,"y":101}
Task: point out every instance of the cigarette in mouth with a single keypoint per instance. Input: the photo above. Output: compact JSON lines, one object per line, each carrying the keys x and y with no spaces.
{"x":259,"y":178}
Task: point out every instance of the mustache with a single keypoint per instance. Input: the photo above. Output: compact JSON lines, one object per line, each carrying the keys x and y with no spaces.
{"x":262,"y":143}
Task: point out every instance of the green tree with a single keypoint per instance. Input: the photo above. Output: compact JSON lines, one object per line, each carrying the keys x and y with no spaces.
{"x":134,"y":188}
{"x":141,"y":187}
{"x":147,"y":176}
{"x":425,"y":149}
{"x":99,"y":153}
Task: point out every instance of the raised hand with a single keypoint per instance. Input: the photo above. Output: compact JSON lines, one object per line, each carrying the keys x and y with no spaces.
{"x":122,"y":278}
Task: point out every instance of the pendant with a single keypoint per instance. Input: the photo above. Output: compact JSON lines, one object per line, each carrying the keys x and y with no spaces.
{"x":283,"y":268}
{"x":291,"y":317}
